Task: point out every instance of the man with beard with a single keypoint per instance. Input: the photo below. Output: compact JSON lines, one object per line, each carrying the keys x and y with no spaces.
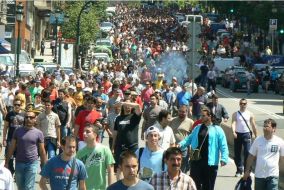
{"x":209,"y":140}
{"x":181,"y":126}
{"x":150,"y":114}
{"x":173,"y":178}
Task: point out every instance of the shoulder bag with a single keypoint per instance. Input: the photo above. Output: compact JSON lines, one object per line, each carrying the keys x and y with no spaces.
{"x":71,"y":174}
{"x":194,"y":154}
{"x":246,"y":123}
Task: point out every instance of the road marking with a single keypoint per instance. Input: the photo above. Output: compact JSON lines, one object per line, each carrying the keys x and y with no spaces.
{"x":251,"y":106}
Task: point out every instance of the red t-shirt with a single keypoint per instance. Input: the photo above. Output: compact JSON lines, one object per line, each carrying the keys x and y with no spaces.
{"x":86,"y":116}
{"x":197,"y":122}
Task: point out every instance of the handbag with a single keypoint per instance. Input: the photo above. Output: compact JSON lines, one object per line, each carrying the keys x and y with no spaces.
{"x":71,"y":174}
{"x":246,"y":123}
{"x":194,"y":154}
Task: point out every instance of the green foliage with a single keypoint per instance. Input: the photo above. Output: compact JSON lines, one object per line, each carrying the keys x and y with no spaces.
{"x":89,"y":24}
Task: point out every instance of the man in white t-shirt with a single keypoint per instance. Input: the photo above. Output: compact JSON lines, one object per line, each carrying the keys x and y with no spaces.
{"x":166,"y":133}
{"x":266,"y":150}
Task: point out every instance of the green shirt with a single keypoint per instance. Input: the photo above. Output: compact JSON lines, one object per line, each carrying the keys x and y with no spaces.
{"x":96,"y":161}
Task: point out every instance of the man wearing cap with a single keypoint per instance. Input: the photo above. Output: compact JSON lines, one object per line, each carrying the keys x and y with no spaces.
{"x":181,"y":126}
{"x":136,"y":99}
{"x":150,"y":157}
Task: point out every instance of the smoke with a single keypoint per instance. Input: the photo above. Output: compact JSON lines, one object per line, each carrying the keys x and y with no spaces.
{"x":173,"y":64}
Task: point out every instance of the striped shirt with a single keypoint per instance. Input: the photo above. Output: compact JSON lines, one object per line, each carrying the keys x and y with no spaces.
{"x":162,"y":181}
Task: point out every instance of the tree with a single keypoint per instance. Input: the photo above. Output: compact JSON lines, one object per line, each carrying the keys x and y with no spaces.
{"x":90,"y":20}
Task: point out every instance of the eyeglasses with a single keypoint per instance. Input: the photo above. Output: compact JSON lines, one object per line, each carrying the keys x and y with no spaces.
{"x":242,"y":103}
{"x":17,"y":105}
{"x":30,"y":117}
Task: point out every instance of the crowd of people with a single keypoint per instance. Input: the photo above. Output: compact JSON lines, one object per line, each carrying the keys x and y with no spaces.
{"x":63,"y":119}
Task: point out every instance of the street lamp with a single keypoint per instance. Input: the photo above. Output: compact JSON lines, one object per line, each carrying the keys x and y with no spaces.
{"x":57,"y":15}
{"x":85,"y":8}
{"x":19,"y":17}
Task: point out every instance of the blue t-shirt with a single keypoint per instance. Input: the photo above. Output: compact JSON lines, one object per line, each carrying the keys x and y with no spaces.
{"x":140,"y":185}
{"x":150,"y":162}
{"x":58,"y":171}
{"x":183,"y":98}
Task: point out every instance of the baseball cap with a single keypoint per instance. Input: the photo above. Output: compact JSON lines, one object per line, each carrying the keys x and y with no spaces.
{"x":152,"y":129}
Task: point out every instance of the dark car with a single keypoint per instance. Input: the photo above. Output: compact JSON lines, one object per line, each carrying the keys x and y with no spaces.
{"x":240,"y":82}
{"x":228,"y":76}
{"x":279,"y":84}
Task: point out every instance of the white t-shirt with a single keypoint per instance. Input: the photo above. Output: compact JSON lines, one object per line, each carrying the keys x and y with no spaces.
{"x":267,"y":154}
{"x":167,"y":136}
{"x":241,"y":126}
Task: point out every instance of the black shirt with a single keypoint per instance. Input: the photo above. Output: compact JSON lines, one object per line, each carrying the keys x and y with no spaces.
{"x":127,"y":130}
{"x":201,"y":135}
{"x":15,"y":120}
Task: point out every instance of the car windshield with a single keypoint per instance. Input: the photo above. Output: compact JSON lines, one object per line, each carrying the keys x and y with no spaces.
{"x":6,"y":60}
{"x":106,"y":24}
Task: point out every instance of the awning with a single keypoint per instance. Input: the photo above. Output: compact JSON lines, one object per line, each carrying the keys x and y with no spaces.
{"x":3,"y":49}
{"x":5,"y":46}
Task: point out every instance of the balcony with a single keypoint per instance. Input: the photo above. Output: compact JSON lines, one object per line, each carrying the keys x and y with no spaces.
{"x":42,"y":5}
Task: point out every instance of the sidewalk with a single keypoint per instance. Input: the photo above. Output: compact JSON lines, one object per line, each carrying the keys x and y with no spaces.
{"x":47,"y":53}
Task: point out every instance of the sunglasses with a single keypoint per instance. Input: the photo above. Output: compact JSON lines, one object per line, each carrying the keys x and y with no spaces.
{"x":29,"y":117}
{"x":243,"y":103}
{"x":17,"y":105}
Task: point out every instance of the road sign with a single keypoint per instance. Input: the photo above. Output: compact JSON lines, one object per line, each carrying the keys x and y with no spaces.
{"x":273,"y":24}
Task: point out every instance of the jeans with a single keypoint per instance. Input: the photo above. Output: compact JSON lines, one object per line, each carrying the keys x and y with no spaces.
{"x":64,"y":131}
{"x":269,"y":183}
{"x":11,"y":161}
{"x":50,"y":147}
{"x":25,"y":175}
{"x":242,"y":140}
{"x":203,"y":175}
{"x":185,"y":166}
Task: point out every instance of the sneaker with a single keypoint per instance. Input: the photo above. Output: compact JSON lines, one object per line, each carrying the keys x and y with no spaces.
{"x":238,"y":174}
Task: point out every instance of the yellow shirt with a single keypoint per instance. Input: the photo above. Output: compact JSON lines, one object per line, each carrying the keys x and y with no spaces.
{"x":159,"y":84}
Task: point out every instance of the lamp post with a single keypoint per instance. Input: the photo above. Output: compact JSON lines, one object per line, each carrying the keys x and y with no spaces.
{"x":19,"y":17}
{"x":83,"y":9}
{"x":57,"y":20}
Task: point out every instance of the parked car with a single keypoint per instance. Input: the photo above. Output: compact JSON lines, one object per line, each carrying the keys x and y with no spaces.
{"x":25,"y":64}
{"x":7,"y":64}
{"x":240,"y":82}
{"x":279,"y":85}
{"x":229,"y":75}
{"x":106,"y":26}
{"x":104,"y":42}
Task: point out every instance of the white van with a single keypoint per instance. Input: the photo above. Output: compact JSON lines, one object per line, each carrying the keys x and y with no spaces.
{"x":223,"y":63}
{"x":25,"y":65}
